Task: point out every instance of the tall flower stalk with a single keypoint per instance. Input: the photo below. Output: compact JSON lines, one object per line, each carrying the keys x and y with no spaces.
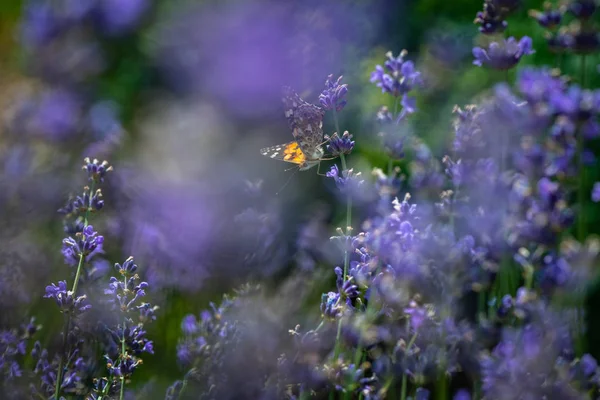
{"x":332,"y":98}
{"x":83,"y":247}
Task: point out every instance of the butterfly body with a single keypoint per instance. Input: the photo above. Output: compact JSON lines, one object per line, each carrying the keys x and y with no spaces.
{"x":292,"y":153}
{"x":306,"y":122}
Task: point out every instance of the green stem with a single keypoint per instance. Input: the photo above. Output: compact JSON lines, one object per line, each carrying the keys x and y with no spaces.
{"x":481,"y":311}
{"x":346,"y":233}
{"x":404,"y":376}
{"x":319,"y":326}
{"x":442,"y":392}
{"x":395,"y":116}
{"x":477,"y":390}
{"x":81,"y":256}
{"x":123,"y":350}
{"x":528,"y":276}
{"x":59,"y":372}
{"x":183,"y":387}
{"x":336,"y":122}
{"x":581,"y":222}
{"x":581,"y":227}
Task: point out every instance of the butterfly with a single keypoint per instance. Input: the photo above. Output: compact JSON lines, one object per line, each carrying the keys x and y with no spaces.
{"x":306,"y":122}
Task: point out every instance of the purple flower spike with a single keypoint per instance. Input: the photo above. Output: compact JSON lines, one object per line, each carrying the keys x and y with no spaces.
{"x":347,"y":182}
{"x":503,"y":55}
{"x":397,"y":77}
{"x":333,"y":95}
{"x":549,"y":18}
{"x":490,"y":20}
{"x":65,"y":299}
{"x":96,"y":170}
{"x":583,"y":9}
{"x":87,"y":244}
{"x":330,"y":305}
{"x":340,"y":145}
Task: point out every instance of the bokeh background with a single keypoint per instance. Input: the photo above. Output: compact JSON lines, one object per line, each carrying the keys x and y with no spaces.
{"x":180,"y":96}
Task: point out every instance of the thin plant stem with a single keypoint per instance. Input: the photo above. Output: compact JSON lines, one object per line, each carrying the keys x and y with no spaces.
{"x":319,"y":326}
{"x":481,"y":311}
{"x":81,"y":256}
{"x":581,"y":227}
{"x":404,"y":376}
{"x":122,"y":392}
{"x":59,"y":372}
{"x":183,"y":387}
{"x":123,"y":350}
{"x":395,"y":116}
{"x":581,"y":200}
{"x":346,"y":233}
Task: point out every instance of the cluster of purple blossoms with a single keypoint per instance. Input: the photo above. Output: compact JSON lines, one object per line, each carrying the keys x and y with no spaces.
{"x":540,"y":346}
{"x":398,"y":77}
{"x":13,"y":348}
{"x":570,"y":26}
{"x":127,"y":339}
{"x":115,"y":326}
{"x":333,"y":95}
{"x":340,"y":144}
{"x":397,"y":303}
{"x":212,"y":348}
{"x":493,"y":17}
{"x":503,"y":55}
{"x":549,"y":18}
{"x":73,"y":366}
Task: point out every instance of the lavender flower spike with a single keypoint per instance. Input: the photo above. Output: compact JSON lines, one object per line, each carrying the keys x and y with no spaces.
{"x":503,"y":55}
{"x":340,"y":145}
{"x":96,"y":169}
{"x":333,"y":95}
{"x":398,"y":77}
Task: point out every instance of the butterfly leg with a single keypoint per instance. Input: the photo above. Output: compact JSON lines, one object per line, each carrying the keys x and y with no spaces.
{"x":319,"y":170}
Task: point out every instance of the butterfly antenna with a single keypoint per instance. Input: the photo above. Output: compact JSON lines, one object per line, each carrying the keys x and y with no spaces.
{"x":289,"y":179}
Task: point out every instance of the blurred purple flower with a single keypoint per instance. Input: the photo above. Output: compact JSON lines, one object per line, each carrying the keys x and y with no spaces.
{"x":503,"y":55}
{"x":589,"y":364}
{"x":550,"y":18}
{"x":117,"y":17}
{"x":596,"y":192}
{"x":347,"y":181}
{"x":417,"y":315}
{"x":13,"y":346}
{"x":422,"y":394}
{"x":57,"y":114}
{"x":491,"y":19}
{"x":103,"y":120}
{"x":462,"y":394}
{"x":214,"y":48}
{"x":39,"y":23}
{"x":538,"y":84}
{"x":582,"y":9}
